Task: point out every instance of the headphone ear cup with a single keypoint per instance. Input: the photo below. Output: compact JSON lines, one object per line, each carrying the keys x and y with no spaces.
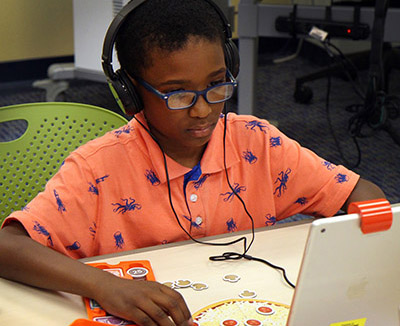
{"x":232,"y":59}
{"x":125,"y":93}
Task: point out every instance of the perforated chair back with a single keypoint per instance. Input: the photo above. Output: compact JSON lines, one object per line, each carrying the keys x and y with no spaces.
{"x":54,"y":129}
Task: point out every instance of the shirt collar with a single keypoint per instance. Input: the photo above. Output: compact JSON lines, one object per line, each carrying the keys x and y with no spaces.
{"x":211,"y":162}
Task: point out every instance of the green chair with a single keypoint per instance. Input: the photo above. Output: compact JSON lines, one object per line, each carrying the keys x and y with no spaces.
{"x":54,"y":129}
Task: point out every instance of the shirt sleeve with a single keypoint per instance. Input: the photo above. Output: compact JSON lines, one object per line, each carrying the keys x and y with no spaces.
{"x":305,"y":183}
{"x":62,"y":217}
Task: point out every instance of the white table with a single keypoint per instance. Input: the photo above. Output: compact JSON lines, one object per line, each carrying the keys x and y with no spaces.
{"x":282,"y":245}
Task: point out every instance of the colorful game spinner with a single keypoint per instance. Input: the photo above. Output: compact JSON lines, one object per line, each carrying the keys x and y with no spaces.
{"x":139,"y":270}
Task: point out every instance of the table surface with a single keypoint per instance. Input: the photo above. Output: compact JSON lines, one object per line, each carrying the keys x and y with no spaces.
{"x":282,"y":245}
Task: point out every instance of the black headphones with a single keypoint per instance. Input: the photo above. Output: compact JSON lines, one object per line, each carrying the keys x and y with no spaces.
{"x":121,"y":86}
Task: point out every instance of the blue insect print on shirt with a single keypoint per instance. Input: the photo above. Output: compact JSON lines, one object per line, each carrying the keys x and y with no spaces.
{"x":330,"y":166}
{"x":194,"y":224}
{"x":123,"y":130}
{"x":282,"y":180}
{"x":236,"y":189}
{"x":75,"y":246}
{"x":340,"y":178}
{"x":249,"y":157}
{"x":42,"y":230}
{"x":102,"y":179}
{"x":201,"y":181}
{"x":231,"y":225}
{"x":119,"y":240}
{"x":61,"y":207}
{"x":254,"y":124}
{"x":301,"y":200}
{"x":270,"y":220}
{"x":93,"y":189}
{"x":25,"y":209}
{"x":129,"y":205}
{"x":152,"y":178}
{"x":275,"y":141}
{"x":93,"y":230}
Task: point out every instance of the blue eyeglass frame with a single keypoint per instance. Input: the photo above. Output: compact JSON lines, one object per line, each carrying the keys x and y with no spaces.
{"x":166,"y":96}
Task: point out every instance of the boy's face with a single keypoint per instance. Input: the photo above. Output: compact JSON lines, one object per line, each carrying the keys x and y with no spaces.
{"x":200,"y":64}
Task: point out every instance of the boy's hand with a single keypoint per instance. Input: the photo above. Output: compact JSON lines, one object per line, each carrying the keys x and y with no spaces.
{"x":146,"y":303}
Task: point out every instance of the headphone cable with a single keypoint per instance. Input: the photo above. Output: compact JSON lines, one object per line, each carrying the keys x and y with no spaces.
{"x":244,"y":239}
{"x":226,"y":255}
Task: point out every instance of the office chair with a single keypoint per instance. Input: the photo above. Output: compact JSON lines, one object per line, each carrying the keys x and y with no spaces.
{"x":359,"y":60}
{"x":54,"y":129}
{"x":379,"y":111}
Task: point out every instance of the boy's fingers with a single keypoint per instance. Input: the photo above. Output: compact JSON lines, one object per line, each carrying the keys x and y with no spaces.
{"x":175,"y":305}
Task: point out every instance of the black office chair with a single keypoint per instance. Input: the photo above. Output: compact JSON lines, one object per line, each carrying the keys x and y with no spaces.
{"x":354,"y":62}
{"x":379,"y":110}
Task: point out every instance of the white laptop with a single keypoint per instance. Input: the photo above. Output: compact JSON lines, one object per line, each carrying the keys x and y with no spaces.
{"x":348,"y":278}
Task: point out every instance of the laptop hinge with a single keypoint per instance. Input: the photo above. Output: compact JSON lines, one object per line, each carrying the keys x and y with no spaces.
{"x":376,"y":215}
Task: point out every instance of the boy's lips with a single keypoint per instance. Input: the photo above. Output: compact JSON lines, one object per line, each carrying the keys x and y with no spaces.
{"x":201,"y":131}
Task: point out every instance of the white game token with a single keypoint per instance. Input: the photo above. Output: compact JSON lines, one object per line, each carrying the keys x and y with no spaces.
{"x":233,"y":278}
{"x":199,"y":286}
{"x":138,"y":273}
{"x":170,"y":284}
{"x":183,"y":283}
{"x":247,"y":294}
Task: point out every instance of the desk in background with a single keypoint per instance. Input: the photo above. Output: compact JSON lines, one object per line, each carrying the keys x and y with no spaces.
{"x":284,"y":245}
{"x":257,"y":19}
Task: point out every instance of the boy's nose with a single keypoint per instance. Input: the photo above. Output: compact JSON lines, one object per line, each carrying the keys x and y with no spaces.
{"x":200,"y":109}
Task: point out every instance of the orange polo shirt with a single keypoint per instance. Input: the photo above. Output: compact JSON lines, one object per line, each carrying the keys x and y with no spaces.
{"x":111,"y":194}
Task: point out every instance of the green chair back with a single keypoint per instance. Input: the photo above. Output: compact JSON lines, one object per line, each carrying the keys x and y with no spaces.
{"x":54,"y":129}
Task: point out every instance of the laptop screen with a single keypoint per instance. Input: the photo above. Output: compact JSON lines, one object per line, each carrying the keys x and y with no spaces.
{"x":348,"y":278}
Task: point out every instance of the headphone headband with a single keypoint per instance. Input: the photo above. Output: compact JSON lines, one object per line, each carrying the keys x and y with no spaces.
{"x":112,"y":33}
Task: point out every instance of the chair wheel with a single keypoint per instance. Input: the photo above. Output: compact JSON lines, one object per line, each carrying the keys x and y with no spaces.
{"x":303,"y":94}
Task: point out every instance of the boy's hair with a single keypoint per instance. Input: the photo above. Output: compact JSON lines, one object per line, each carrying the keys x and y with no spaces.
{"x":166,"y":25}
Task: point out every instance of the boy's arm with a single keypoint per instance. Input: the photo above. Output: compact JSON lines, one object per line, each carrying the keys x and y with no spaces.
{"x":364,"y":190}
{"x":147,"y":303}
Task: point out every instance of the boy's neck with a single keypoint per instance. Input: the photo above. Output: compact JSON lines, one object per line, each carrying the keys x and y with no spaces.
{"x":187,"y":158}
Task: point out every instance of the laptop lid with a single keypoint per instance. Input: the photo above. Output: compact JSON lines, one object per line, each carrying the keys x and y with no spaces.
{"x":348,"y":278}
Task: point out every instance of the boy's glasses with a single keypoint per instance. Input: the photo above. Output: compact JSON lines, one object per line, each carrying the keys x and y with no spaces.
{"x":179,"y":100}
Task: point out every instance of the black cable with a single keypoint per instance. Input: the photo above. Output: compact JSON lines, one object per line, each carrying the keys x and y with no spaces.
{"x":273,"y":266}
{"x":327,"y":107}
{"x":233,"y":255}
{"x":378,"y":107}
{"x":356,"y":86}
{"x":375,"y":102}
{"x":226,"y":255}
{"x":360,"y":111}
{"x":244,"y":239}
{"x":234,"y":191}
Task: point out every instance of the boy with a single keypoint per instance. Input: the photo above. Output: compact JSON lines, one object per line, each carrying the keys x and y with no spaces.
{"x":176,"y":170}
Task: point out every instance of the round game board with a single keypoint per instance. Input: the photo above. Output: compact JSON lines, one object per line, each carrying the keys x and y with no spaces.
{"x":243,"y":312}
